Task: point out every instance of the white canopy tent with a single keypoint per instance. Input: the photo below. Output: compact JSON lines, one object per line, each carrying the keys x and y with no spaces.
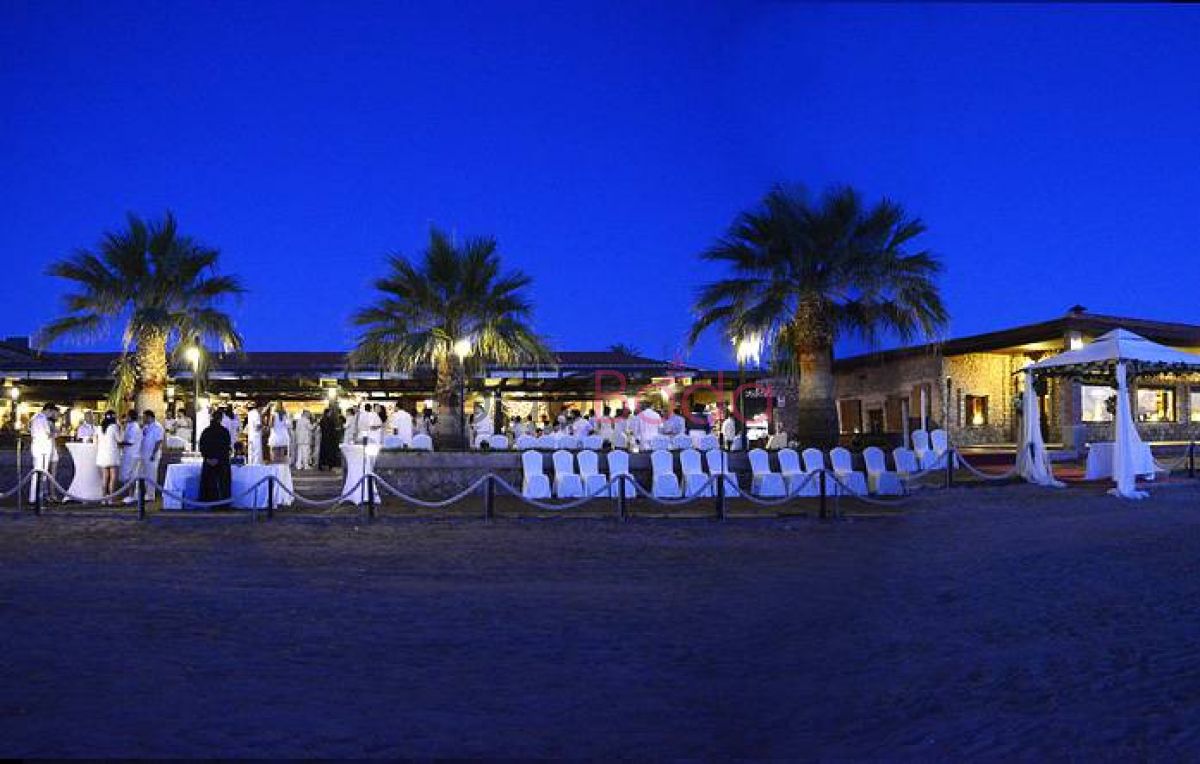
{"x":1113,"y":356}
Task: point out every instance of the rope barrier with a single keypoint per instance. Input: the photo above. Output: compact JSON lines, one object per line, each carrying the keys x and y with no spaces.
{"x":84,"y":500}
{"x":1006,"y":475}
{"x":559,"y":507}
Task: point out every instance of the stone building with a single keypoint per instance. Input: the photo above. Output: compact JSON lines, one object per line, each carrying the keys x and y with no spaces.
{"x":970,"y":386}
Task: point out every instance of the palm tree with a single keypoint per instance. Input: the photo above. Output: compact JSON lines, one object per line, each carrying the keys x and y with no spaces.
{"x":161,"y":286}
{"x":805,"y":273}
{"x":452,"y":310}
{"x":624,"y":349}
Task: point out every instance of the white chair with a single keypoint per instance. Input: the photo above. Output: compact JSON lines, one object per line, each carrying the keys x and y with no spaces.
{"x":594,"y":442}
{"x":547,"y":441}
{"x":422,"y":442}
{"x":680,"y":442}
{"x":939,"y":445}
{"x":664,"y":484}
{"x":718,"y":466}
{"x":849,"y":480}
{"x":618,"y":472}
{"x":814,"y":460}
{"x":568,"y":442}
{"x":498,"y":442}
{"x":589,"y":472}
{"x":798,"y":481}
{"x":567,"y":484}
{"x":692,"y":469}
{"x":707,"y":443}
{"x":879,"y":480}
{"x":534,"y":483}
{"x":906,"y":462}
{"x":920,"y":440}
{"x":658,"y":443}
{"x":763,"y":481}
{"x":526,"y":442}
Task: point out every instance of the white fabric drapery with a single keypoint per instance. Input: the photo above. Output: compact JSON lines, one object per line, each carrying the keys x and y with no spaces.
{"x":1126,"y":444}
{"x":1033,"y":463}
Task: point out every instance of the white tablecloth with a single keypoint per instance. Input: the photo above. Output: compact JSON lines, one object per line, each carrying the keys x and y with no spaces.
{"x":1100,"y":461}
{"x":356,"y":462}
{"x":87,"y":484}
{"x":395,"y":441}
{"x":184,"y":479}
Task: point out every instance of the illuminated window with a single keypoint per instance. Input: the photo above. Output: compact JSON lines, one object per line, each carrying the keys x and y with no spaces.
{"x":1099,"y":402}
{"x":975,"y":407}
{"x":1155,"y":404}
{"x":1194,"y":403}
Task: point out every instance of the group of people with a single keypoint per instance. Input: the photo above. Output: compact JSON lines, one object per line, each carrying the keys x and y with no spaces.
{"x":622,"y":427}
{"x":127,"y":447}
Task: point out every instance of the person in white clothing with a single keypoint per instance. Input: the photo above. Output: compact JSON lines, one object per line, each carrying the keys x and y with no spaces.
{"x":280,"y":436}
{"x":131,"y":447}
{"x":400,"y":423}
{"x":153,"y":435}
{"x":647,"y":424}
{"x":254,"y":434}
{"x":203,"y":417}
{"x":42,"y":447}
{"x":108,"y":453}
{"x":232,"y":423}
{"x":350,"y":433}
{"x":368,"y":425}
{"x":86,"y":432}
{"x":304,"y":441}
{"x":675,"y":425}
{"x":482,"y":425}
{"x":729,"y":428}
{"x":183,"y":427}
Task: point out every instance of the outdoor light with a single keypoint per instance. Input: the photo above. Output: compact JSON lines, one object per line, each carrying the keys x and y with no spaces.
{"x":170,"y":392}
{"x":749,"y":349}
{"x":331,"y":393}
{"x":193,"y":355}
{"x":14,"y":393}
{"x":462,"y":348}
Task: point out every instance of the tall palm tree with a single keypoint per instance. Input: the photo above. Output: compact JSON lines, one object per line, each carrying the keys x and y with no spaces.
{"x":454,"y":311}
{"x":161,"y":287}
{"x":805,"y":273}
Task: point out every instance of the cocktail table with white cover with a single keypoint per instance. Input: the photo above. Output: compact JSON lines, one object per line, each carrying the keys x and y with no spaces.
{"x":357,"y":464}
{"x":88,"y":482}
{"x":184,"y":480}
{"x":1100,"y":461}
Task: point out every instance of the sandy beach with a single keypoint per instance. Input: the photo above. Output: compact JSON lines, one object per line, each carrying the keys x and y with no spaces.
{"x":984,"y":622}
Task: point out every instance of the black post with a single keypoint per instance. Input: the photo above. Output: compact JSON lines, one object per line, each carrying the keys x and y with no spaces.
{"x":270,"y":496}
{"x":371,"y":496}
{"x":37,"y":496}
{"x":1192,"y":459}
{"x":141,"y":497}
{"x":720,"y":495}
{"x":824,"y":493}
{"x":1032,"y":454}
{"x":621,"y":498}
{"x":950,"y":468}
{"x":489,"y":498}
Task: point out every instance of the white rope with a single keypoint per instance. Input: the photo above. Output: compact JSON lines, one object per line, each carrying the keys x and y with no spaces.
{"x":443,"y":503}
{"x":865,"y":498}
{"x":1006,"y":475}
{"x":558,"y":507}
{"x":184,"y":501}
{"x":763,"y":501}
{"x":674,"y":502}
{"x":325,"y":502}
{"x":82,"y":500}
{"x":19,"y":486}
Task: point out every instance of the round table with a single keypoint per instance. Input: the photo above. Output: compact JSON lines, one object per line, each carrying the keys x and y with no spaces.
{"x":88,"y":482}
{"x":1100,"y":461}
{"x":356,"y":462}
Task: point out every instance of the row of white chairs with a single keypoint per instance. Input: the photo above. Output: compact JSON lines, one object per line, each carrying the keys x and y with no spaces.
{"x":929,"y":447}
{"x":793,"y":478}
{"x":590,"y":481}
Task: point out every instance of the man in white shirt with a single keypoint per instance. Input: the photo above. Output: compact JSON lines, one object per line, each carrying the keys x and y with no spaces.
{"x":86,"y":432}
{"x":728,"y":427}
{"x":368,"y":425}
{"x":153,"y":435}
{"x":41,"y":446}
{"x":482,"y":425}
{"x":581,"y":427}
{"x":401,"y":425}
{"x":254,"y":434}
{"x":131,"y":447}
{"x":647,"y":424}
{"x":675,"y":425}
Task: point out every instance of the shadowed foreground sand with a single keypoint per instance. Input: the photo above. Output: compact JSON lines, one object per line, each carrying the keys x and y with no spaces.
{"x":986,"y":622}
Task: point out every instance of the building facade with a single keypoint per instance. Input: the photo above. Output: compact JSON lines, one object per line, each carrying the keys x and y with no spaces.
{"x":970,"y":386}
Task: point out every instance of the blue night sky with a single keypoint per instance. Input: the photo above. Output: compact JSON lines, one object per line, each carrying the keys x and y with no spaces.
{"x":1053,"y":151}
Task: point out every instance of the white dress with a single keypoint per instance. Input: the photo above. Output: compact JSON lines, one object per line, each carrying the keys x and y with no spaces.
{"x":280,"y":435}
{"x":108,"y":447}
{"x":254,"y":443}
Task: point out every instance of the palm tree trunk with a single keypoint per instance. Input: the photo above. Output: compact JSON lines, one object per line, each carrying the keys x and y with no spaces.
{"x":150,"y":356}
{"x":447,"y":390}
{"x":816,"y":411}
